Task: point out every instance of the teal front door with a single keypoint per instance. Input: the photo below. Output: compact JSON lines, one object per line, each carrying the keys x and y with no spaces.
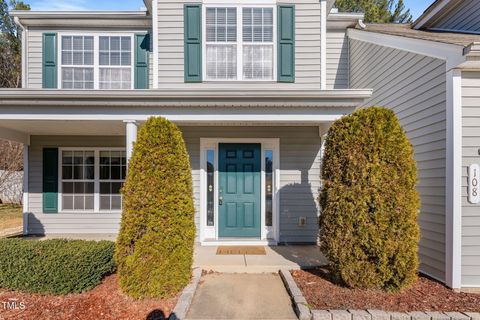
{"x":239,"y":190}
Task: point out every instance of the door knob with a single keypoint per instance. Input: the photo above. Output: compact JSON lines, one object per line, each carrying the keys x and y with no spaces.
{"x":220,"y":200}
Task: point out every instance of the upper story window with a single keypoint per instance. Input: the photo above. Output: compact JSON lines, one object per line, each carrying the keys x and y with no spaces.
{"x":239,"y":43}
{"x":77,"y":62}
{"x":96,"y":62}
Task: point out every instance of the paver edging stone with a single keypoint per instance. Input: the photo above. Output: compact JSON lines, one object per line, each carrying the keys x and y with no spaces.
{"x":301,"y":303}
{"x":185,"y":300}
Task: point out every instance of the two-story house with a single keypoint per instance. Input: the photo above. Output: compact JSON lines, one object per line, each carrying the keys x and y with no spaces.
{"x":254,"y":86}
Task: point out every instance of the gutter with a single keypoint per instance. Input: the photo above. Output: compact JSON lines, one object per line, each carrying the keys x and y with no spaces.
{"x":24,"y":14}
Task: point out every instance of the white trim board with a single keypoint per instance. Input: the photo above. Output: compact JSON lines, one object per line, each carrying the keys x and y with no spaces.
{"x":451,"y":53}
{"x":453,"y":232}
{"x":208,"y":235}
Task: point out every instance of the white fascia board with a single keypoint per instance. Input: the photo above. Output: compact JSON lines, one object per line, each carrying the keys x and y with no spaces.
{"x":451,"y":53}
{"x":453,"y":187}
{"x":76,"y":14}
{"x":430,"y":13}
{"x":250,"y":115}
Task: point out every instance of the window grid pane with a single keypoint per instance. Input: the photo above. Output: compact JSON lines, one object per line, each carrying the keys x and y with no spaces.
{"x":78,"y":168}
{"x":77,"y":52}
{"x":115,"y":52}
{"x":113,"y":168}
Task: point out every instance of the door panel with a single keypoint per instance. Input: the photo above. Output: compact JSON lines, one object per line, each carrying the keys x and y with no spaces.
{"x":239,"y":190}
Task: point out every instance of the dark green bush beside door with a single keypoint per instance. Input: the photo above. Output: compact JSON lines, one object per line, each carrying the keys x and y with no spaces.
{"x":154,"y":250}
{"x":369,"y":203}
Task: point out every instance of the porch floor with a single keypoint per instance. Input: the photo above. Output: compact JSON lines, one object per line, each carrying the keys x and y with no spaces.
{"x":290,"y":257}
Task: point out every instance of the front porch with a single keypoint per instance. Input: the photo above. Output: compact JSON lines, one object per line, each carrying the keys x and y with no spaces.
{"x":290,"y":257}
{"x":274,"y":136}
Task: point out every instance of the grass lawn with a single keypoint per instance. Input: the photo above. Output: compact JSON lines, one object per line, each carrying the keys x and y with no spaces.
{"x":10,"y":216}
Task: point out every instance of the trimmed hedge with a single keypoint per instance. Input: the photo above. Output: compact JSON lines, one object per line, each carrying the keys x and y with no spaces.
{"x":154,"y":249}
{"x":368,"y":225}
{"x":54,"y":266}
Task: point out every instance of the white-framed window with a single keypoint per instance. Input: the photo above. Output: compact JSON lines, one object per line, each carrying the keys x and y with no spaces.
{"x":239,"y":42}
{"x":77,"y":62}
{"x":115,"y":62}
{"x":90,"y":179}
{"x":96,"y":61}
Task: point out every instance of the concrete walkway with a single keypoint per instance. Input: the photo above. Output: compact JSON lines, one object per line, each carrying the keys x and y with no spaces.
{"x":241,"y":296}
{"x":277,"y":257}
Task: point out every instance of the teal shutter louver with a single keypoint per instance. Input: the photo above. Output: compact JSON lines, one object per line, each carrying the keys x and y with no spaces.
{"x":193,"y":42}
{"x":142,"y":47}
{"x":50,"y":180}
{"x":286,"y":43}
{"x":49,"y":61}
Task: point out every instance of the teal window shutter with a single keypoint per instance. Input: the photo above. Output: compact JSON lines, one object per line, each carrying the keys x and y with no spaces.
{"x":193,"y":42}
{"x":286,"y":43}
{"x":50,"y":180}
{"x":49,"y":61}
{"x":142,"y":47}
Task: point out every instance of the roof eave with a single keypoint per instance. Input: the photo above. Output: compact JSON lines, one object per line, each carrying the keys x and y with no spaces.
{"x":83,"y":18}
{"x":161,"y":98}
{"x":433,"y":12}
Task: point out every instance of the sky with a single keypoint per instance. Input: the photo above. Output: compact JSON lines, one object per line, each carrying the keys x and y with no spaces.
{"x":416,"y":6}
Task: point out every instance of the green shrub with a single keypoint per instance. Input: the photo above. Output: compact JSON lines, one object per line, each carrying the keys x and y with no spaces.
{"x":368,"y":224}
{"x":154,"y":249}
{"x":54,"y":266}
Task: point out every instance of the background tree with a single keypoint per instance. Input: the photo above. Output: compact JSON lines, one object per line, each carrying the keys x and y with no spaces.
{"x":368,"y":223}
{"x":11,"y":161}
{"x":378,"y":11}
{"x":10,"y":45}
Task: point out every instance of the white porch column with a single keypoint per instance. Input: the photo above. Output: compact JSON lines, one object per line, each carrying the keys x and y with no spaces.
{"x":26,"y":208}
{"x":132,"y":127}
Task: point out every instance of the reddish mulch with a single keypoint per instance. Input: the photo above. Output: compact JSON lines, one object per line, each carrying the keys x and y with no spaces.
{"x":425,"y":295}
{"x":104,"y":302}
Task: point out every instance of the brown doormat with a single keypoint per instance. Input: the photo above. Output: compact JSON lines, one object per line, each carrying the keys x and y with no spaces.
{"x":240,"y":250}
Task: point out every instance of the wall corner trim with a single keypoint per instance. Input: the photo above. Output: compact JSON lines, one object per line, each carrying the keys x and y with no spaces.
{"x":453,"y":190}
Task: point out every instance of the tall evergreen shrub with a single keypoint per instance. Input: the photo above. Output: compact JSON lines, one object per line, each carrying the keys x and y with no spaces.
{"x":368,"y":224}
{"x":154,"y":249}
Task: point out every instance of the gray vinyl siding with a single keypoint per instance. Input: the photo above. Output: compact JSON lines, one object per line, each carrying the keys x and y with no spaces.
{"x":299,"y":179}
{"x":34,"y":56}
{"x":464,"y":17}
{"x":414,"y":86}
{"x":307,"y":47}
{"x":337,"y":59}
{"x":67,"y":223}
{"x":470,"y":149}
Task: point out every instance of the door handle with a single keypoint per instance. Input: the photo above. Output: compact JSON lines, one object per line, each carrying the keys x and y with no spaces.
{"x":220,"y":201}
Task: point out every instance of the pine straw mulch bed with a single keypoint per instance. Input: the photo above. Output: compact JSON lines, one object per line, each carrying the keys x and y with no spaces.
{"x":426,"y":295}
{"x":104,"y":302}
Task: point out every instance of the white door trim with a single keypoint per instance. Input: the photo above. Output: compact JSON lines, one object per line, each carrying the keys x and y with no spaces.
{"x":209,"y":234}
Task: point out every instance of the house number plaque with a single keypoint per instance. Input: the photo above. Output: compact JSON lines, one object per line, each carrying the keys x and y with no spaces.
{"x":473,"y":183}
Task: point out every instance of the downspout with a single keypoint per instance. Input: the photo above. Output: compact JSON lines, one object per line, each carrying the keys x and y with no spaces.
{"x":323,"y":44}
{"x":24,"y":51}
